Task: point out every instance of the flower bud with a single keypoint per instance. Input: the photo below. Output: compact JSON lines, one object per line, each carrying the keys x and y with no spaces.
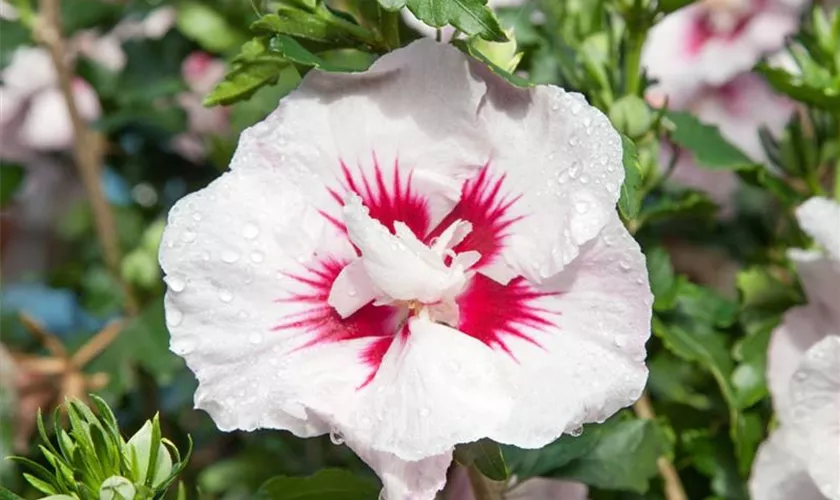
{"x":502,"y":54}
{"x":117,"y":488}
{"x":139,"y":452}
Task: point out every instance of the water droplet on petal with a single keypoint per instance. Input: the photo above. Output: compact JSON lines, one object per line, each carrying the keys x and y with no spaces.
{"x":425,"y":412}
{"x":336,"y":438}
{"x":257,"y":256}
{"x":196,"y":216}
{"x":175,"y":283}
{"x":250,"y":231}
{"x":188,"y":236}
{"x":382,"y":495}
{"x":584,"y":179}
{"x":624,"y":265}
{"x":229,"y":256}
{"x":174,"y":316}
{"x":582,"y":207}
{"x":255,"y":338}
{"x":225,"y":295}
{"x":574,"y":169}
{"x":205,"y":256}
{"x":577,"y":431}
{"x":801,"y":375}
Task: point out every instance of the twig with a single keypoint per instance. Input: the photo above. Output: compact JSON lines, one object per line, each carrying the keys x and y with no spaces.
{"x":88,"y":146}
{"x":674,"y":489}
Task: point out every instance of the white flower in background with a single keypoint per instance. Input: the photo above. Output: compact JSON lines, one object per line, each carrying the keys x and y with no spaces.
{"x":34,"y":115}
{"x":447,"y":31}
{"x":413,"y":257}
{"x":801,"y":458}
{"x":711,"y":41}
{"x":201,"y":72}
{"x":106,"y":49}
{"x":739,"y":109}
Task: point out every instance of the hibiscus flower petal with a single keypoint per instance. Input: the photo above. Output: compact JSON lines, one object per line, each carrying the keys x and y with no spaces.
{"x":816,"y":422}
{"x":778,"y":473}
{"x":820,"y":218}
{"x":586,"y":330}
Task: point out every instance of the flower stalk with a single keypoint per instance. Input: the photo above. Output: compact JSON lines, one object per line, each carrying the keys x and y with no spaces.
{"x":88,"y":146}
{"x":674,"y":489}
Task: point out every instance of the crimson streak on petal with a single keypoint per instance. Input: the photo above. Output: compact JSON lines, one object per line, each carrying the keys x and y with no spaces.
{"x":483,"y":206}
{"x":388,"y":202}
{"x":490,"y":312}
{"x":320,"y":321}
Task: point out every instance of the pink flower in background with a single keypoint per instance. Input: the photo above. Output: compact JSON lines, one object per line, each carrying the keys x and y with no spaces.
{"x":413,"y":257}
{"x":801,"y":458}
{"x":34,"y":115}
{"x":201,"y":72}
{"x":739,"y":109}
{"x":711,"y":41}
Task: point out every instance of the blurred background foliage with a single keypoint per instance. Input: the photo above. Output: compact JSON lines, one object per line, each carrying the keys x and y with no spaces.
{"x":721,"y":281}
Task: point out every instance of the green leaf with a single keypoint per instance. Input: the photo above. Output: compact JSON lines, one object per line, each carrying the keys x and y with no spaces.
{"x":295,"y":52}
{"x":668,"y":6}
{"x":618,"y":454}
{"x":663,"y":282}
{"x":8,"y":494}
{"x":760,"y":176}
{"x":321,"y":27}
{"x":709,"y":147}
{"x":473,"y":17}
{"x":822,"y":96}
{"x":326,"y":484}
{"x":392,"y":5}
{"x":684,"y":204}
{"x":672,"y":379}
{"x":630,"y":200}
{"x":486,"y":456}
{"x":713,"y":458}
{"x":244,"y":80}
{"x":11,"y":178}
{"x":208,"y":27}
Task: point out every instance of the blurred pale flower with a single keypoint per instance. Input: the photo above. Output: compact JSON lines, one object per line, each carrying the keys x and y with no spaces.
{"x":403,"y":257}
{"x":201,"y":72}
{"x":711,"y":41}
{"x":537,"y":488}
{"x":35,"y":116}
{"x":802,"y":457}
{"x":739,"y":109}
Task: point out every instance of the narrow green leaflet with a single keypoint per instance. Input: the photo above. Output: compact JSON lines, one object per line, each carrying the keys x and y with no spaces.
{"x":630,"y":200}
{"x":796,"y":88}
{"x":685,"y":204}
{"x":295,"y":52}
{"x":326,"y":484}
{"x":473,"y":17}
{"x":319,"y":26}
{"x":486,"y":456}
{"x":760,"y":176}
{"x":663,"y":282}
{"x":709,"y":148}
{"x":11,"y":178}
{"x":243,"y":81}
{"x":8,"y":494}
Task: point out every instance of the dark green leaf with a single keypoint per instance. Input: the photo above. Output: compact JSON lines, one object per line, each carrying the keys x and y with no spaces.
{"x":674,"y":380}
{"x":631,"y":197}
{"x":486,"y":456}
{"x":324,"y":28}
{"x":11,"y":178}
{"x":295,"y":52}
{"x":473,"y":17}
{"x":244,"y":80}
{"x":709,"y":148}
{"x":392,"y":5}
{"x":84,"y":14}
{"x":687,"y":204}
{"x":543,"y":461}
{"x":663,"y":282}
{"x":8,"y":495}
{"x":326,"y":484}
{"x":668,"y":6}
{"x":760,"y":176}
{"x":712,"y":457}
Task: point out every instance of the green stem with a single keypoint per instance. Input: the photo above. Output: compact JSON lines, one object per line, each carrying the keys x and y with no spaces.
{"x":633,"y":62}
{"x":390,"y":28}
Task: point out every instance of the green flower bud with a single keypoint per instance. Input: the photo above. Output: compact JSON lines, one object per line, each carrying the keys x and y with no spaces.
{"x":117,"y":488}
{"x":631,"y":115}
{"x":502,"y":54}
{"x":139,"y":453}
